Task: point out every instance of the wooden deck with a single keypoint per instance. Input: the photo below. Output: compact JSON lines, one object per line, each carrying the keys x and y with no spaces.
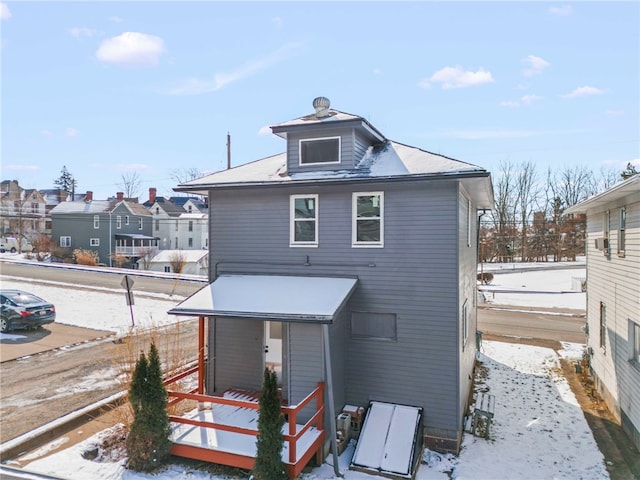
{"x":223,"y":429}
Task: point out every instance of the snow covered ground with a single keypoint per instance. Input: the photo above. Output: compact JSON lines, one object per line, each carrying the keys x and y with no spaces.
{"x":539,"y":430}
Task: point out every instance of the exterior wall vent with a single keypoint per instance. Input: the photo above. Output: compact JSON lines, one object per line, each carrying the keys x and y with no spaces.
{"x":321,"y":104}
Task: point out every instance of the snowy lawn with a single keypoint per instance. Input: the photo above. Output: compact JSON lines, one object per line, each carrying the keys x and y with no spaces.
{"x":539,"y":431}
{"x":98,"y":308}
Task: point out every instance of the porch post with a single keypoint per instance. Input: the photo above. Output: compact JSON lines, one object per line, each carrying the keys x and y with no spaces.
{"x":332,"y":412}
{"x":201,"y":343}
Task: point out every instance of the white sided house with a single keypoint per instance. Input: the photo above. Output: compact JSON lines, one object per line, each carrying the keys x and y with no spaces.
{"x":613,"y":298}
{"x":194,"y":262}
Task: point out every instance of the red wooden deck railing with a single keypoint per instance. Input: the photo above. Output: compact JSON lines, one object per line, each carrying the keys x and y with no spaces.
{"x":244,"y":461}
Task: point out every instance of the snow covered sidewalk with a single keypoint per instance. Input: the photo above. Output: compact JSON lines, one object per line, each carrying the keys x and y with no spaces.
{"x":539,"y":431}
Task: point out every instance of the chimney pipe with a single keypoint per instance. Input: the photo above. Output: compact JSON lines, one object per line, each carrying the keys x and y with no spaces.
{"x":152,"y":195}
{"x":120,"y":196}
{"x":88,"y":196}
{"x":228,"y":151}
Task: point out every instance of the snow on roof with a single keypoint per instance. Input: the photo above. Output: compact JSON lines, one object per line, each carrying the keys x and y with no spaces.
{"x":95,"y":206}
{"x":190,"y":256}
{"x":287,"y":298}
{"x":393,"y":160}
{"x":620,"y":190}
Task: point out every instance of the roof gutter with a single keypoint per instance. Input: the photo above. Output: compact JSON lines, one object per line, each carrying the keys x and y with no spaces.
{"x":333,"y":181}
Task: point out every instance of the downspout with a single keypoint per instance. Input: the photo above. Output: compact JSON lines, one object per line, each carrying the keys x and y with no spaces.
{"x":110,"y":256}
{"x":332,"y":412}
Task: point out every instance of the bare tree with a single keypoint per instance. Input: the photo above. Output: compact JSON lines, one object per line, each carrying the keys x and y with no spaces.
{"x":147,"y":255}
{"x":177,"y":261}
{"x":503,"y":214}
{"x":525,"y":196}
{"x":183,"y":175}
{"x":130,"y":184}
{"x":42,"y":245}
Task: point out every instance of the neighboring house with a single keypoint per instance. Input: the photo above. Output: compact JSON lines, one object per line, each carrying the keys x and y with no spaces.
{"x":22,"y":211}
{"x":191,"y":204}
{"x":193,"y":232}
{"x":196,"y":262}
{"x":176,"y":228}
{"x":117,"y":230}
{"x":353,"y":258}
{"x":52,"y":197}
{"x":613,"y":298}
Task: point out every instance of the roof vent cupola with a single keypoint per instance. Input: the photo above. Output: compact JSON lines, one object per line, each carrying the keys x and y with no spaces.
{"x":321,"y":104}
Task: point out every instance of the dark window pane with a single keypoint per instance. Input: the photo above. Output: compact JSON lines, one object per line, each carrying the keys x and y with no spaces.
{"x":305,"y":208}
{"x":368,"y":231}
{"x":369,"y":206}
{"x":320,"y":151}
{"x":305,"y":231}
{"x":381,"y":326}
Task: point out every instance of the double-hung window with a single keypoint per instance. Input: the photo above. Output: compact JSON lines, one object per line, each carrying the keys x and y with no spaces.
{"x":65,"y":241}
{"x":622,"y":226}
{"x":96,"y":221}
{"x":368,"y":219}
{"x":603,"y":326}
{"x":118,"y":222}
{"x":139,"y":223}
{"x":319,"y":151}
{"x":94,"y":242}
{"x":606,"y":232}
{"x":634,"y":340}
{"x":304,"y":221}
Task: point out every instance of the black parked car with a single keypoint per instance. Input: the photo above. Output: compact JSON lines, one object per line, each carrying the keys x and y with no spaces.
{"x":24,"y":310}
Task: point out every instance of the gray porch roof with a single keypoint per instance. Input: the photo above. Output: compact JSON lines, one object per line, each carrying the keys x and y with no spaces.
{"x":270,"y":297}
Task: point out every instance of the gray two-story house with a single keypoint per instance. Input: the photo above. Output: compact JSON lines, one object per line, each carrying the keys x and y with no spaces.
{"x":353,"y":259}
{"x":119,"y":231}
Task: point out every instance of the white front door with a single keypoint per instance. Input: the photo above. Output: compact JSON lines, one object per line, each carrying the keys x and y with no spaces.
{"x":273,"y":348}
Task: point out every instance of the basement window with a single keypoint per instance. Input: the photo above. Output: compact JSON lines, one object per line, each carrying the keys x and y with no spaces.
{"x":320,"y":151}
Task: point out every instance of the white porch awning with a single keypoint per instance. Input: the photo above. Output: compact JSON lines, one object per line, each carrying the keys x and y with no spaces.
{"x":270,"y":297}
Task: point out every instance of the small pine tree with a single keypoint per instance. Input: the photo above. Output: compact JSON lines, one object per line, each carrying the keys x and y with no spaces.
{"x":269,"y":465}
{"x":148,"y":442}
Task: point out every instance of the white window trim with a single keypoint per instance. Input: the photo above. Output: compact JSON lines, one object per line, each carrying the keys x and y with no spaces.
{"x":96,"y":222}
{"x":465,"y":324}
{"x":65,"y":241}
{"x":126,"y":219}
{"x":634,"y":344}
{"x":94,"y":242}
{"x":468,"y":223}
{"x":354,"y":218}
{"x":292,"y":220}
{"x":140,"y":221}
{"x":622,"y":227}
{"x":118,"y":222}
{"x":302,"y":140}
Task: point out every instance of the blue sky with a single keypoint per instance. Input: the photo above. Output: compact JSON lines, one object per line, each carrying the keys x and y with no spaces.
{"x":111,"y":88}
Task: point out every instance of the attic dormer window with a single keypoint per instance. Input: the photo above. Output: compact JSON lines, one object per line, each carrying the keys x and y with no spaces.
{"x":320,"y":151}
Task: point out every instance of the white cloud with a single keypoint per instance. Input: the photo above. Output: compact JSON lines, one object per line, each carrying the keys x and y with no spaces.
{"x":529,"y":99}
{"x":79,"y":32}
{"x":456,"y":77}
{"x":615,"y":113}
{"x":534,"y":65}
{"x":21,"y":168}
{"x":116,"y":19}
{"x":197,"y":86}
{"x":583,"y":92}
{"x":46,"y":133}
{"x":561,"y":11}
{"x":264,"y":131}
{"x":132,"y":49}
{"x":71,"y":132}
{"x":5,"y":13}
{"x":524,"y":100}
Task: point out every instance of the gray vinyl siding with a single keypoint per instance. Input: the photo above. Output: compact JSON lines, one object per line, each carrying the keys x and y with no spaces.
{"x":415,"y":276}
{"x":237,"y":356}
{"x":352,"y":148}
{"x":615,"y":281}
{"x":467,"y":247}
{"x":305,"y":364}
